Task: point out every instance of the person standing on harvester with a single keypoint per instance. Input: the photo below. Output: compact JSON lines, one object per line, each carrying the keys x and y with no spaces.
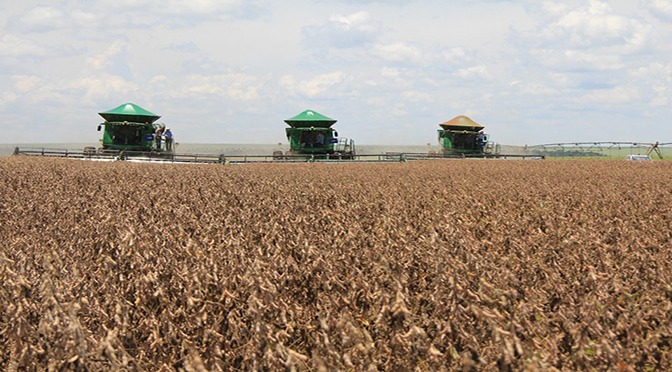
{"x":169,"y":139}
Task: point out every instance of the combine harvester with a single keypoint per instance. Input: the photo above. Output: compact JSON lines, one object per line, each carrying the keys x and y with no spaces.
{"x":312,"y":138}
{"x":310,"y":135}
{"x":464,"y":137}
{"x":129,"y":133}
{"x":131,"y":129}
{"x":461,"y":137}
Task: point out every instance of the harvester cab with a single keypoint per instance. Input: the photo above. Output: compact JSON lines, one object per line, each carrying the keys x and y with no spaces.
{"x":310,"y":134}
{"x":461,"y":135}
{"x":131,"y":127}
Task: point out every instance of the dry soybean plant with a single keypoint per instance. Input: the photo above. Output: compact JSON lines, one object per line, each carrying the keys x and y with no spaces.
{"x":540,"y":265}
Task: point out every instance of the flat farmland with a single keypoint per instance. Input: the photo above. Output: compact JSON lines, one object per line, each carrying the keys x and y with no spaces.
{"x":429,"y":265}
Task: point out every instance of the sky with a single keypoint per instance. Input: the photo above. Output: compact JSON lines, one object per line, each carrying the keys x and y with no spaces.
{"x":230,"y":71}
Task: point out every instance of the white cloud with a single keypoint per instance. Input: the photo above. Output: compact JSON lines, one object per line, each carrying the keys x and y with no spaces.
{"x":587,"y":43}
{"x":378,"y":101}
{"x":388,"y":72}
{"x":417,"y":96}
{"x":318,"y":86}
{"x":480,"y":71}
{"x":195,"y":6}
{"x":456,"y":55}
{"x":158,"y":79}
{"x":30,"y":90}
{"x":185,"y":9}
{"x":239,"y":87}
{"x":391,"y":78}
{"x":42,"y":19}
{"x":26,"y":83}
{"x":661,"y":8}
{"x":288,"y":82}
{"x":657,"y":76}
{"x":17,"y":47}
{"x":399,"y":52}
{"x":103,"y":60}
{"x":609,"y":97}
{"x":105,"y":86}
{"x":594,"y":27}
{"x":358,"y":20}
{"x":7,"y":98}
{"x":83,"y":19}
{"x":597,"y":25}
{"x":661,"y":98}
{"x":532,"y":88}
{"x":178,"y":6}
{"x":573,"y":59}
{"x":342,"y":31}
{"x":398,"y":111}
{"x":552,"y":8}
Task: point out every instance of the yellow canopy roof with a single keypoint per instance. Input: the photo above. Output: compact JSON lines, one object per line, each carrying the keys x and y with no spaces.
{"x":461,"y":123}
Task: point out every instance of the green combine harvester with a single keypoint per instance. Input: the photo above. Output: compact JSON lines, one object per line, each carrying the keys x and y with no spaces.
{"x":129,"y":133}
{"x":310,"y":135}
{"x":130,"y":127}
{"x":463,"y":136}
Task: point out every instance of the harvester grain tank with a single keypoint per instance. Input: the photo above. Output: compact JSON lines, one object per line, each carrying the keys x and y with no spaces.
{"x":461,"y":135}
{"x":131,"y":127}
{"x":311,"y":134}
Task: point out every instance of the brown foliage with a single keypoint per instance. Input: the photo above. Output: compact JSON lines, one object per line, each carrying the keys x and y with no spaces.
{"x":430,"y":265}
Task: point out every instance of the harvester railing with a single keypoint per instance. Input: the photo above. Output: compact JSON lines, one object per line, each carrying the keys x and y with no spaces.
{"x":163,"y":157}
{"x":112,"y":155}
{"x":322,"y":158}
{"x":41,"y":151}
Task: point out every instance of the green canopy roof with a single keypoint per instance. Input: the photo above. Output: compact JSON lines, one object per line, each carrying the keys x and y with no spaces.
{"x":310,"y":118}
{"x":129,"y":112}
{"x":461,"y":123}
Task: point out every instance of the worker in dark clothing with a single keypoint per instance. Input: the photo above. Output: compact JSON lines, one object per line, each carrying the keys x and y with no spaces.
{"x":157,"y":138}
